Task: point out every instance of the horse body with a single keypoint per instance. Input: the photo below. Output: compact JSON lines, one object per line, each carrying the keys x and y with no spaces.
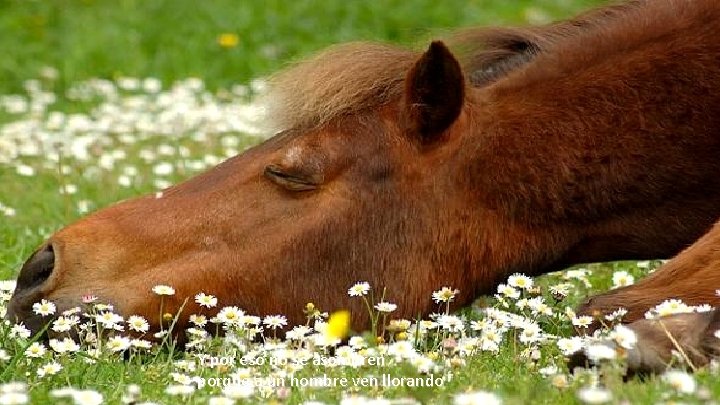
{"x":588,"y":140}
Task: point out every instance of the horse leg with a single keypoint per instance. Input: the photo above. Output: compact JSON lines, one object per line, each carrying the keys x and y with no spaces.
{"x":693,"y":276}
{"x":681,"y":340}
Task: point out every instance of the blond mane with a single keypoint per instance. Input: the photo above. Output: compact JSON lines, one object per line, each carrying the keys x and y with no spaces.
{"x":343,"y":79}
{"x":348,"y":78}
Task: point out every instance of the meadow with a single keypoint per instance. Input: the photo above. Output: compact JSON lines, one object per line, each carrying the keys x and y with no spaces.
{"x":105,"y":100}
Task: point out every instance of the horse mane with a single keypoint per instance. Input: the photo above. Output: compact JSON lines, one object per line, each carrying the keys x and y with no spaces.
{"x":348,"y":78}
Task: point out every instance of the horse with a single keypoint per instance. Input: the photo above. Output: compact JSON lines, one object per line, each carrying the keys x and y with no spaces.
{"x":493,"y":152}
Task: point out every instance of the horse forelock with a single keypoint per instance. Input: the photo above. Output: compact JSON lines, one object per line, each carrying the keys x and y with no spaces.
{"x":343,"y":79}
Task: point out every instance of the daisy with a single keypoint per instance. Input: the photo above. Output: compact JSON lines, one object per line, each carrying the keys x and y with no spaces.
{"x":44,"y":308}
{"x":12,"y":398}
{"x":198,"y":320}
{"x":594,"y":395}
{"x":477,"y":398}
{"x":622,"y":279}
{"x":560,"y":290}
{"x":13,"y":387}
{"x":539,"y":307}
{"x":385,"y":307}
{"x":508,"y":291}
{"x":118,"y":344}
{"x":531,"y":333}
{"x":8,"y":285}
{"x":220,"y":401}
{"x":445,"y":294}
{"x":87,"y":397}
{"x":205,"y":300}
{"x":108,"y":320}
{"x":19,"y":330}
{"x":298,"y":332}
{"x":275,"y":321}
{"x":179,"y":389}
{"x":359,"y":289}
{"x":250,"y":320}
{"x":181,"y":378}
{"x":138,"y":324}
{"x":671,"y":307}
{"x":399,"y":325}
{"x":72,"y":311}
{"x":141,"y":344}
{"x":51,"y":368}
{"x":616,"y":315}
{"x":599,"y":352}
{"x":238,"y":391}
{"x":681,"y":381}
{"x":624,"y":337}
{"x":520,"y":281}
{"x":35,"y":350}
{"x":357,"y":342}
{"x":451,"y":323}
{"x":569,"y":346}
{"x":230,"y":315}
{"x":64,"y":324}
{"x":402,"y":350}
{"x":549,"y":370}
{"x":161,"y":289}
{"x":67,"y":345}
{"x":582,"y":321}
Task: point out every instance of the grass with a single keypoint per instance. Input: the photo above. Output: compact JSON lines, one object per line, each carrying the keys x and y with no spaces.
{"x":173,"y":41}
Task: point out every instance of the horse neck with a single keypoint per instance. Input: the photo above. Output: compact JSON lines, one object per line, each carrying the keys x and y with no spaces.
{"x":619,"y":157}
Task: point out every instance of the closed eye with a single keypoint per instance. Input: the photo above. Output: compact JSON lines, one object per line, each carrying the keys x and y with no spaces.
{"x":292,"y":182}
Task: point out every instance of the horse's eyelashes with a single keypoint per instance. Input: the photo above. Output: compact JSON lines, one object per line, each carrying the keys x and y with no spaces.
{"x":290,"y":180}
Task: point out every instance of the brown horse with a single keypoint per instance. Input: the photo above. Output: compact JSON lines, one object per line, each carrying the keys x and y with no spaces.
{"x":524,"y":151}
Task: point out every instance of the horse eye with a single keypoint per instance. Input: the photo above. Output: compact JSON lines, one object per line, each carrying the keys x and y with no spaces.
{"x":292,"y":182}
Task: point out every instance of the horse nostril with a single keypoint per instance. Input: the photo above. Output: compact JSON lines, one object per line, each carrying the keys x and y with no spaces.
{"x":37,"y":269}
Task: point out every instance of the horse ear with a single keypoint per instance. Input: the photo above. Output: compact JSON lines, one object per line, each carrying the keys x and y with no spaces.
{"x":434,"y":92}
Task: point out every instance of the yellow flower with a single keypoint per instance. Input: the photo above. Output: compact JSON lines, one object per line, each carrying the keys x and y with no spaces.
{"x":228,"y":40}
{"x":338,"y":325}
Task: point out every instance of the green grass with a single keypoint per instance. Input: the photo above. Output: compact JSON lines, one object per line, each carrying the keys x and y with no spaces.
{"x":174,"y":40}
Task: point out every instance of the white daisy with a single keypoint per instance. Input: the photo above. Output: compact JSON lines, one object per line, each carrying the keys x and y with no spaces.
{"x":622,"y":279}
{"x":67,"y":345}
{"x":445,"y":294}
{"x":385,"y":307}
{"x":477,"y":398}
{"x":35,"y":350}
{"x":520,"y":281}
{"x":681,"y":381}
{"x":205,"y":300}
{"x":359,"y":289}
{"x":51,"y":368}
{"x":569,"y":346}
{"x":582,"y":321}
{"x":198,"y":320}
{"x":230,"y":315}
{"x":65,"y":323}
{"x":161,"y":289}
{"x":275,"y":321}
{"x":138,"y":324}
{"x":44,"y":308}
{"x":594,"y":395}
{"x":118,"y":344}
{"x":87,"y":397}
